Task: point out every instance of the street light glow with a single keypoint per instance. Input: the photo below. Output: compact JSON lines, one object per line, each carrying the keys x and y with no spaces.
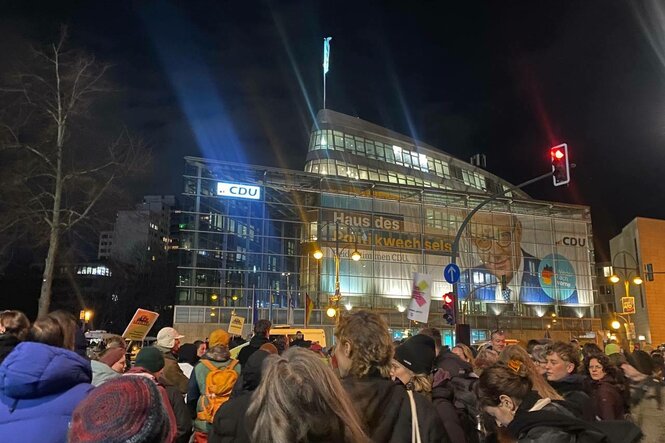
{"x":355,"y":256}
{"x":615,"y":278}
{"x":637,"y":280}
{"x":331,"y":312}
{"x":318,"y":254}
{"x":615,"y":324}
{"x":401,"y":308}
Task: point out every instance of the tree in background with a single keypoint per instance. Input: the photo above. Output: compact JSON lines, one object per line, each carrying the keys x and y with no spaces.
{"x":55,"y":169}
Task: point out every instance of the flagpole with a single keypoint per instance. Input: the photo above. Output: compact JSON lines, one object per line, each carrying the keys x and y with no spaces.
{"x":326,"y":64}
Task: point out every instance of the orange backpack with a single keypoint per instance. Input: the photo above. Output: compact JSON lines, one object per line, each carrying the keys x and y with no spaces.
{"x":219,"y":384}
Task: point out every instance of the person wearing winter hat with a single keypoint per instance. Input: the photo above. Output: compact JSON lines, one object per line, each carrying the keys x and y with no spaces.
{"x":149,"y":364}
{"x":120,"y":410}
{"x":364,"y":353}
{"x":168,"y":342}
{"x":217,"y":357}
{"x":111,"y":364}
{"x":413,"y":363}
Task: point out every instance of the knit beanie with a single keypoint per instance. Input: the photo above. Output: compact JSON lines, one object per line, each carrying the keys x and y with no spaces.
{"x":111,"y":356}
{"x":122,"y":409}
{"x":641,"y":361}
{"x":417,"y":354}
{"x":150,"y":358}
{"x":219,"y":337}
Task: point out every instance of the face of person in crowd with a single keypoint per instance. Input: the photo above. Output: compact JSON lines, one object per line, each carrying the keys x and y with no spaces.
{"x":497,"y":238}
{"x":201,"y":350}
{"x":460,"y":353}
{"x":342,"y":355}
{"x":299,"y":336}
{"x":596,"y":370}
{"x":399,"y":372}
{"x":119,"y":366}
{"x":557,"y":368}
{"x":498,"y":341}
{"x":504,"y":412}
{"x":176,"y":345}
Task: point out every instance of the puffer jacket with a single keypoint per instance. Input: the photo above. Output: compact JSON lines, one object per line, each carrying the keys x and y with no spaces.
{"x":40,"y":386}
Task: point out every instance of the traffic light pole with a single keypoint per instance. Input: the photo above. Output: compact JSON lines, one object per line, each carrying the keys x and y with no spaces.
{"x":463,"y":332}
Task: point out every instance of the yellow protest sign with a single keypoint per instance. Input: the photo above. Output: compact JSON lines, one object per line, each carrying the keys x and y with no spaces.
{"x":140,"y":325}
{"x":235,"y":325}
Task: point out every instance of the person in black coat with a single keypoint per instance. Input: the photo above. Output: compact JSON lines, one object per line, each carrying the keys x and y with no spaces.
{"x":229,"y":424}
{"x":561,"y":373}
{"x":364,"y":354}
{"x":261,"y":337}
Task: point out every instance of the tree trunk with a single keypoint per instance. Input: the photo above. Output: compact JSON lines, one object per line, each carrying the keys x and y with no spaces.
{"x":54,"y":222}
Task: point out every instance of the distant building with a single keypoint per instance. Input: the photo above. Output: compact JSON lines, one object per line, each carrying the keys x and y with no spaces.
{"x":139,"y":234}
{"x":605,"y":302}
{"x":641,"y":242}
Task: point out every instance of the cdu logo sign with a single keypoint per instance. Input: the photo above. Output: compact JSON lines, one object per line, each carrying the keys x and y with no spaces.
{"x":239,"y":191}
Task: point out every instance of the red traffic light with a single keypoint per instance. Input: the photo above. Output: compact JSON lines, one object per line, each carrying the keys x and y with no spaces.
{"x":448,"y":298}
{"x":560,"y":165}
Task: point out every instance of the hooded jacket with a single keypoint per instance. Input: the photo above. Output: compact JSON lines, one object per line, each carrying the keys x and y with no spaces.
{"x":40,"y":386}
{"x":385,"y":410}
{"x":101,"y":372}
{"x":220,"y":358}
{"x":229,"y":425}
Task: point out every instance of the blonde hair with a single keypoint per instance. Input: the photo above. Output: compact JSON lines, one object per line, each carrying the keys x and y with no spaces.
{"x":369,"y":340}
{"x":300,"y":399}
{"x":468,"y":353}
{"x":540,"y":385}
{"x":486,"y":358}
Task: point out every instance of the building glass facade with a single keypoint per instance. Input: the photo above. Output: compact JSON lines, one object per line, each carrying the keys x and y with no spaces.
{"x":246,"y":233}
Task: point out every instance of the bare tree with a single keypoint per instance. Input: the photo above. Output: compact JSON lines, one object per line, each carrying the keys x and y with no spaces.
{"x":55,"y":171}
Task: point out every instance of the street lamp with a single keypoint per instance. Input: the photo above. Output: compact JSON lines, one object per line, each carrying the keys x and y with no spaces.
{"x":616,"y":278}
{"x":334,"y":300}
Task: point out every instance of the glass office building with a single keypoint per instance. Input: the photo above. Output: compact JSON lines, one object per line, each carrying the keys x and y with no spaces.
{"x":246,"y":235}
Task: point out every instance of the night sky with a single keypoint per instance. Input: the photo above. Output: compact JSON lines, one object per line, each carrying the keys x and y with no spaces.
{"x":241,"y":81}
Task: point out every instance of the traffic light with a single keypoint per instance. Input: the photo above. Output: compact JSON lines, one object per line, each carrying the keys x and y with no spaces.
{"x":449,"y":308}
{"x":560,"y":165}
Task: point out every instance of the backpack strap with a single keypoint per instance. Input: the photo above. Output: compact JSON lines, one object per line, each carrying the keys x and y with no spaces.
{"x":208,"y":365}
{"x":233,"y":363}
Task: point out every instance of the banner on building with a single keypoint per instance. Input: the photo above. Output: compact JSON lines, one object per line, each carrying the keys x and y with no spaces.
{"x":140,"y":325}
{"x":420,"y":298}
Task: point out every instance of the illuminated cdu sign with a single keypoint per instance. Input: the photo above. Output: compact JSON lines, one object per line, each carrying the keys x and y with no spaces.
{"x":239,"y":191}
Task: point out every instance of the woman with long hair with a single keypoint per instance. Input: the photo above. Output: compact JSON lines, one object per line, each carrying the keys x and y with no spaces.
{"x":540,"y":385}
{"x":464,"y":352}
{"x":300,"y":400}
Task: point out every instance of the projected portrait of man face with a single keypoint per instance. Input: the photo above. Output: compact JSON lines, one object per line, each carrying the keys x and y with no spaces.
{"x":496,"y":239}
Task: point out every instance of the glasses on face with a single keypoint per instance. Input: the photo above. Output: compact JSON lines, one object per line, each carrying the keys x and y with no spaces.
{"x":503,"y":237}
{"x":595,"y":368}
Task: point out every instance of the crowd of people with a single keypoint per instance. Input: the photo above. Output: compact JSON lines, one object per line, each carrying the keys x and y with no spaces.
{"x":367,"y":388}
